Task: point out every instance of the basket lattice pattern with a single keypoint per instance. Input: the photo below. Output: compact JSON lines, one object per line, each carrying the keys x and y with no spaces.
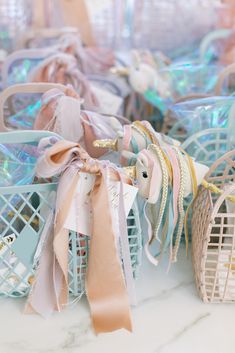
{"x":208,"y":145}
{"x":23,"y":214}
{"x":213,"y":234}
{"x":79,"y":252}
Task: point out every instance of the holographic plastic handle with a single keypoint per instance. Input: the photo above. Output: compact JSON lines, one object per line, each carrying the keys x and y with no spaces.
{"x":18,"y":137}
{"x":189,"y":97}
{"x":223,"y":75}
{"x":46,"y":33}
{"x":212,"y":36}
{"x":23,"y":88}
{"x":30,"y":54}
{"x":18,"y":156}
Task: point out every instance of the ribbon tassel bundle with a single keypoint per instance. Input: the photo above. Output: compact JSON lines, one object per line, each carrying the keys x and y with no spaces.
{"x":107,"y":286}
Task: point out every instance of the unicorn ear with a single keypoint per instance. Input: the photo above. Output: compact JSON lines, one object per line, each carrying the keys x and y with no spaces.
{"x":143,"y":160}
{"x":120,"y":134}
{"x":200,"y":171}
{"x":116,"y":125}
{"x":128,"y":155}
{"x":135,"y":58}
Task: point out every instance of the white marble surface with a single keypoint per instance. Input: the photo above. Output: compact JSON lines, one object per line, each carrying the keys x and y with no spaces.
{"x":170,"y":318}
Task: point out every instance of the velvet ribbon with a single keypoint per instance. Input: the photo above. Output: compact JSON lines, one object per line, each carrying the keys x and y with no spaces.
{"x":105,"y":282}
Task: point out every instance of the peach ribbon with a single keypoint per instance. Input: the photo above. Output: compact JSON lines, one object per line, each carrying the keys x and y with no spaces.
{"x":62,"y":68}
{"x":92,"y":125}
{"x":105,"y":283}
{"x":91,"y":60}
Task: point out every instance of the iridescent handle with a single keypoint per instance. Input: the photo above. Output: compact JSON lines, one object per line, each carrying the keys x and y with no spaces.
{"x":225,"y":73}
{"x":23,"y":137}
{"x":29,"y":54}
{"x":46,"y":33}
{"x":23,"y":88}
{"x":211,"y":37}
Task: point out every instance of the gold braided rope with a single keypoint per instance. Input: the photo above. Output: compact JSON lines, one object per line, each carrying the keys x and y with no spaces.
{"x":195,"y":188}
{"x":165,"y":182}
{"x":216,"y":190}
{"x":180,"y":204}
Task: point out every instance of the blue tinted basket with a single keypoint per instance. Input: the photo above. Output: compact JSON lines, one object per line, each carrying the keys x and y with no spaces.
{"x":22,"y":224}
{"x":23,"y":213}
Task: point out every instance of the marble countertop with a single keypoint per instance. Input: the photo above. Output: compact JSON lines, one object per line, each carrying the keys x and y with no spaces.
{"x":169,"y":318}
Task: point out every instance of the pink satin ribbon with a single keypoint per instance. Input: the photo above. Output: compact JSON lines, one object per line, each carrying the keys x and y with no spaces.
{"x":62,"y":68}
{"x":175,"y":181}
{"x":91,"y":60}
{"x":94,"y":125}
{"x":175,"y":187}
{"x":49,"y":102}
{"x":105,"y":282}
{"x":126,"y":142}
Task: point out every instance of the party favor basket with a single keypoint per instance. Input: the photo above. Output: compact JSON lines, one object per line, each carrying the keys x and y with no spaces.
{"x":26,"y":212}
{"x":213,"y":233}
{"x":25,"y":205}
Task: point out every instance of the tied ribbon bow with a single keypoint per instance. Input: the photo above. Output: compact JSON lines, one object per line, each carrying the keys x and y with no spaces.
{"x":105,"y":283}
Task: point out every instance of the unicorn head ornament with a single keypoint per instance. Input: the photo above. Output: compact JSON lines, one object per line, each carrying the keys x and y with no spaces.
{"x":133,"y":138}
{"x":143,"y":73}
{"x":165,"y":176}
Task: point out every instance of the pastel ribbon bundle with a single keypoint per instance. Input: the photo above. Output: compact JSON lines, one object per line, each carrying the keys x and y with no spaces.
{"x":105,"y":284}
{"x":61,"y":113}
{"x":62,"y":68}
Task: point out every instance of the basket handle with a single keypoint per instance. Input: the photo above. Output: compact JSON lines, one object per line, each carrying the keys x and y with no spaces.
{"x":24,"y":88}
{"x":189,"y":97}
{"x":26,"y":136}
{"x":211,"y":37}
{"x":46,"y":32}
{"x":226,"y":72}
{"x":23,"y":54}
{"x":228,"y":191}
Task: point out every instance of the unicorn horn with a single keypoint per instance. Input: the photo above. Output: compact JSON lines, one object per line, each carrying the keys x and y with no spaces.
{"x":130,"y":171}
{"x":106,"y":143}
{"x":121,"y":71}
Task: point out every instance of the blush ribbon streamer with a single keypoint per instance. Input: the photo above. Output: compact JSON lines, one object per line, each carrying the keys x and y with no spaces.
{"x":106,"y":286}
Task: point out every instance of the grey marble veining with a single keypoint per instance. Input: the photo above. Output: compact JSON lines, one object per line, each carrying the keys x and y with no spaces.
{"x":169,"y":318}
{"x":181,"y":332}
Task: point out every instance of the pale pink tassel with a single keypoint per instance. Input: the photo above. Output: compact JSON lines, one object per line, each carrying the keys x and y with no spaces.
{"x":60,"y":113}
{"x":90,"y":60}
{"x":62,"y":68}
